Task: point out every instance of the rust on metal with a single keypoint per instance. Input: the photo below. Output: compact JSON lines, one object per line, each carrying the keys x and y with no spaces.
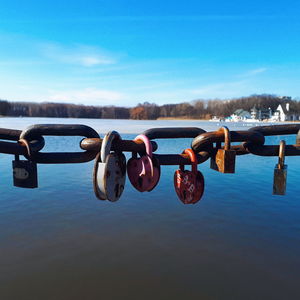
{"x":272,"y":150}
{"x":37,"y":131}
{"x":94,"y":144}
{"x":180,"y":159}
{"x":205,"y":141}
{"x":224,"y":159}
{"x":173,"y":132}
{"x":277,"y":129}
{"x":280,"y":172}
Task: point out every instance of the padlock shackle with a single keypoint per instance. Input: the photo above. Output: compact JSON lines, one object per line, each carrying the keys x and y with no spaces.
{"x":25,"y":143}
{"x":193,"y":159}
{"x":143,"y":138}
{"x":227,"y":137}
{"x":281,"y":154}
{"x":298,"y":138}
{"x":106,"y":145}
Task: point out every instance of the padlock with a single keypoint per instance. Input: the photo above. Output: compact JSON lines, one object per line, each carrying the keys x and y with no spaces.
{"x":298,"y":138}
{"x":24,"y":173}
{"x":224,"y":160}
{"x":143,"y":172}
{"x":109,"y":174}
{"x":189,"y":185}
{"x":280,"y":172}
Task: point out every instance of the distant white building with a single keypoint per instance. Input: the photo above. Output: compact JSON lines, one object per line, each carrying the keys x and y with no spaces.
{"x":261,"y":114}
{"x":240,"y":115}
{"x":283,"y":113}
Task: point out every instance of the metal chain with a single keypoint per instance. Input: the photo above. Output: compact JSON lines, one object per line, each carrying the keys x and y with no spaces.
{"x":252,"y":141}
{"x":204,"y":145}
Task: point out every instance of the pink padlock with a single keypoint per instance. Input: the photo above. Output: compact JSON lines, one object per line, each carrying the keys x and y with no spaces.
{"x":143,"y":172}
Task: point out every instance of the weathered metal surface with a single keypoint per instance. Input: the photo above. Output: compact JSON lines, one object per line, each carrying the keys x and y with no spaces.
{"x":94,"y":144}
{"x":36,"y":131}
{"x":204,"y":142}
{"x":109,"y":177}
{"x":24,"y":173}
{"x":189,"y":185}
{"x":180,"y":159}
{"x":206,"y":145}
{"x":62,"y":157}
{"x":280,"y":172}
{"x":224,"y":160}
{"x":173,"y":132}
{"x":277,"y":129}
{"x":9,"y":134}
{"x":15,"y":148}
{"x":144,"y":172}
{"x":272,"y":150}
{"x":280,"y":177}
{"x":109,"y":173}
{"x":298,"y":138}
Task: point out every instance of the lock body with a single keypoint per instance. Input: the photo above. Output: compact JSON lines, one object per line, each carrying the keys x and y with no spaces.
{"x":25,"y":174}
{"x":223,"y":161}
{"x":279,"y":184}
{"x":280,"y":172}
{"x":109,"y":174}
{"x":143,"y":172}
{"x":111,"y":177}
{"x":189,"y":185}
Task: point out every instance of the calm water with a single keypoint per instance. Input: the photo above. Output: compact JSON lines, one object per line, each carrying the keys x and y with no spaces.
{"x":238,"y":242}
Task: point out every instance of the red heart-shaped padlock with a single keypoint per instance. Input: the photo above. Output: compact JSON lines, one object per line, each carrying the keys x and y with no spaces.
{"x":189,"y":185}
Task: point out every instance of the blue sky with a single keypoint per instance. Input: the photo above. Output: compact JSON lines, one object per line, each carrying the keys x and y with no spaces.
{"x":125,"y":52}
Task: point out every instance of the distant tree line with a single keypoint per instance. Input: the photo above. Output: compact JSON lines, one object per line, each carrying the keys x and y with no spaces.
{"x":197,"y":109}
{"x":205,"y":109}
{"x":61,"y":110}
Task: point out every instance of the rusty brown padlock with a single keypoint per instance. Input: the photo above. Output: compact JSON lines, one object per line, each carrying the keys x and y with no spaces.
{"x":224,"y":160}
{"x":280,"y":172}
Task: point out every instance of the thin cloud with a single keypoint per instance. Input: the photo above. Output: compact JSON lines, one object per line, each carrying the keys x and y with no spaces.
{"x":85,"y":56}
{"x":254,"y":72}
{"x":223,"y":90}
{"x":88,"y":95}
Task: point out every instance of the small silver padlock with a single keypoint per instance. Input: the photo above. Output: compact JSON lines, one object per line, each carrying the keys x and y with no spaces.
{"x":280,"y":172}
{"x":24,"y":173}
{"x":109,"y":170}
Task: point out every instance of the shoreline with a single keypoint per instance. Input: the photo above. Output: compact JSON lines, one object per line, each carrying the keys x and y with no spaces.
{"x":158,"y":119}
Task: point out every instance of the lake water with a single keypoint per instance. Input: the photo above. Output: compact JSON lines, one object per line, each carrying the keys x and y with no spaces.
{"x":238,"y":242}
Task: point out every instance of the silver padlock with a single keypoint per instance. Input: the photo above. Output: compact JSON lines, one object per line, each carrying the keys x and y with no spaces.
{"x":280,"y":172}
{"x":109,"y":174}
